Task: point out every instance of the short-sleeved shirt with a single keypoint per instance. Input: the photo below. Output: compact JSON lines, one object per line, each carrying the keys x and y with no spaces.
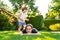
{"x":23,"y":17}
{"x":33,"y":31}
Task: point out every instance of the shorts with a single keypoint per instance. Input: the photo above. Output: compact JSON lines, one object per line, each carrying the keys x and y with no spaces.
{"x":21,"y":23}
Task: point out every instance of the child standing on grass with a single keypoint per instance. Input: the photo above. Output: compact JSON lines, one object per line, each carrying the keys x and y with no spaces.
{"x":22,"y":18}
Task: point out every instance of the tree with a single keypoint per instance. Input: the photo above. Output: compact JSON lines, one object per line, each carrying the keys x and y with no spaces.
{"x":55,"y":6}
{"x":17,"y":4}
{"x":7,"y":18}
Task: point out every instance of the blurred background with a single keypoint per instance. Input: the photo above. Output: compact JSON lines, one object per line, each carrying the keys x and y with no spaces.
{"x":42,"y":14}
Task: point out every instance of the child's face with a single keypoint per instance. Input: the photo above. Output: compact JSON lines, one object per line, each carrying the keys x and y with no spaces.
{"x":28,"y":29}
{"x":24,"y":11}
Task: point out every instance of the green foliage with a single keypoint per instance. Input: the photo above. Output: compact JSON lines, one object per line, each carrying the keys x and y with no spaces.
{"x":2,"y":5}
{"x":3,"y":22}
{"x":6,"y":22}
{"x":36,"y":21}
{"x":47,"y":23}
{"x":32,"y":14}
{"x":18,"y":3}
{"x":55,"y":6}
{"x":52,"y":15}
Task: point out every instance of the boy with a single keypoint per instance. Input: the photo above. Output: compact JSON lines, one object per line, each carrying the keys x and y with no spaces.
{"x":22,"y":18}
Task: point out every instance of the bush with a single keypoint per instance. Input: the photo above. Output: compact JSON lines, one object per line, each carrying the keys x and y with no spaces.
{"x":9,"y":23}
{"x":3,"y":22}
{"x":6,"y":23}
{"x":55,"y":27}
{"x":47,"y":23}
{"x":36,"y":22}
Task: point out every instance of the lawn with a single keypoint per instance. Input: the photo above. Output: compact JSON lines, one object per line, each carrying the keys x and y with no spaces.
{"x":13,"y":35}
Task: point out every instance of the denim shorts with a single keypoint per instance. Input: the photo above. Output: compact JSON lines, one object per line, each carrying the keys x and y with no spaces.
{"x":21,"y":23}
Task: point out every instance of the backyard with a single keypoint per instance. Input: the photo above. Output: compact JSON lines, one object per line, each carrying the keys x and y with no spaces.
{"x":13,"y":35}
{"x":44,"y":15}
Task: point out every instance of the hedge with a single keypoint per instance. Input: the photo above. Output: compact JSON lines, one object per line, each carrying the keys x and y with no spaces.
{"x":36,"y":22}
{"x":5,"y":24}
{"x":47,"y":23}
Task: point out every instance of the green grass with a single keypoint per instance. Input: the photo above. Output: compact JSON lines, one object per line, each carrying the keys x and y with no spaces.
{"x":12,"y":35}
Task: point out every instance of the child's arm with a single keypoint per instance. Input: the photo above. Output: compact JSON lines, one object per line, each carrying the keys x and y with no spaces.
{"x":27,"y":19}
{"x":19,"y":17}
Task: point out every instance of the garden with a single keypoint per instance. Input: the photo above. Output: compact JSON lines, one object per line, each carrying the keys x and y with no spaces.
{"x":48,"y":27}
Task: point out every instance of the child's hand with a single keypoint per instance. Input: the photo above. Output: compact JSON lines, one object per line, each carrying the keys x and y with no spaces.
{"x":20,"y":33}
{"x":27,"y":19}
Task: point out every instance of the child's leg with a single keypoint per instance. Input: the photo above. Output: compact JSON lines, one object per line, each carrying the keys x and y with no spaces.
{"x":24,"y":24}
{"x":20,"y":26}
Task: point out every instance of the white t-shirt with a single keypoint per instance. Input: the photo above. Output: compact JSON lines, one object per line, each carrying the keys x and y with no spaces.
{"x":23,"y":17}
